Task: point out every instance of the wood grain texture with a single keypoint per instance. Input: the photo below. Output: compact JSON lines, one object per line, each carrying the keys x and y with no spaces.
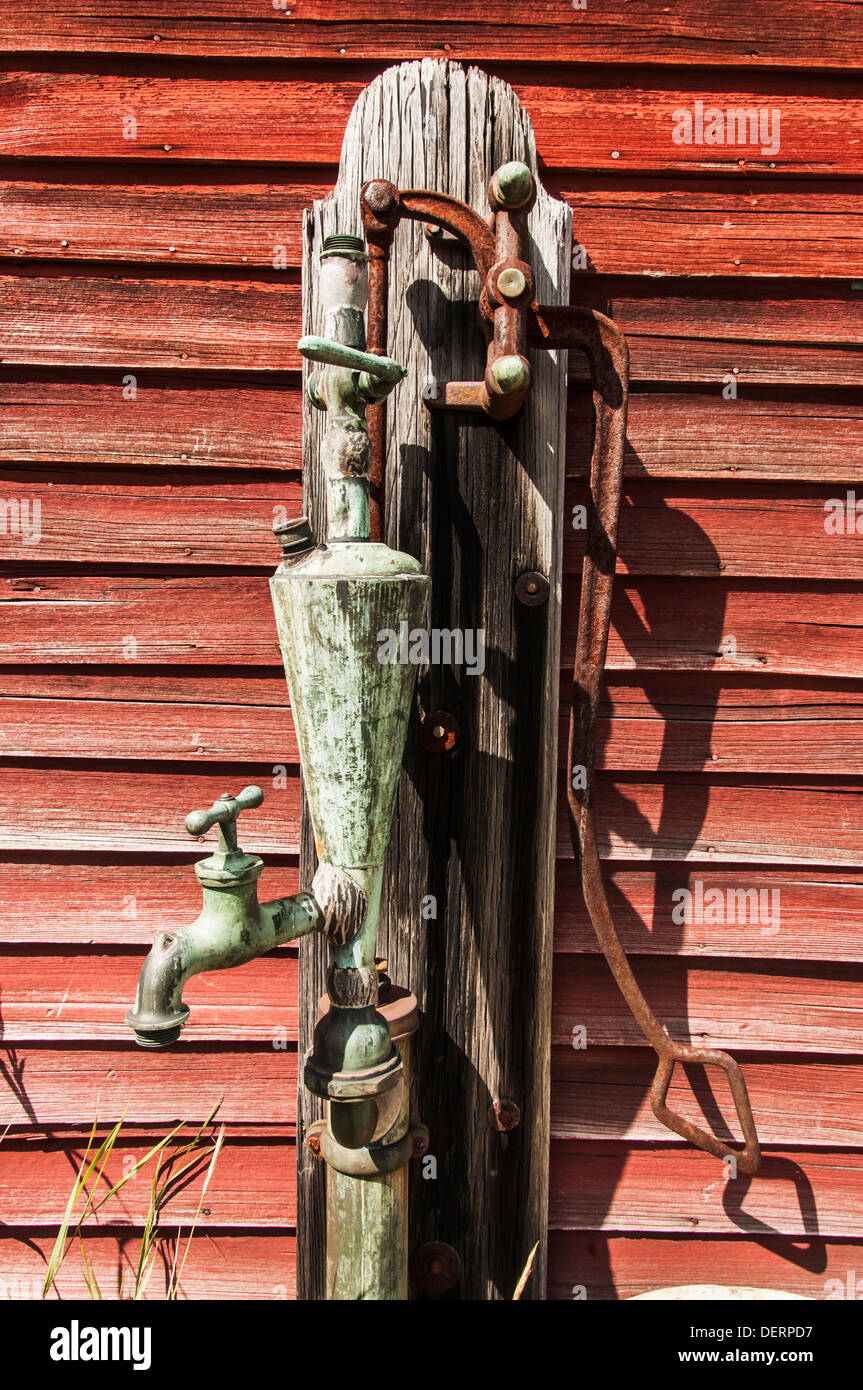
{"x":814,"y":913}
{"x":665,"y":723}
{"x":69,"y":109}
{"x":619,"y":1266}
{"x":447,"y":485}
{"x":761,"y":1007}
{"x":247,"y":1187}
{"x":824,"y":35}
{"x":82,"y":996}
{"x":759,"y":332}
{"x":767,"y":627}
{"x":683,"y":817}
{"x":178,"y":519}
{"x":51,"y":1086}
{"x":191,"y":422}
{"x":262,"y":1266}
{"x":640,"y":225}
{"x":611,"y":1187}
{"x":604,"y":1093}
{"x":122,"y":903}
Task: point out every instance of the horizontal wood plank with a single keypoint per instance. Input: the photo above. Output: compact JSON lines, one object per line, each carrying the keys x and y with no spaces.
{"x":665,"y":723}
{"x":180,"y":422}
{"x":612,"y":1187}
{"x":592,"y":1266}
{"x":779,"y":1008}
{"x":251,"y":1183}
{"x":767,"y":627}
{"x":763,"y":332}
{"x":719,"y":32}
{"x":746,"y":912}
{"x":83,"y":996}
{"x":52,"y":1085}
{"x":817,"y":911}
{"x":171,"y":420}
{"x":640,"y":226}
{"x":681,"y":818}
{"x":270,"y":114}
{"x":604,"y":1093}
{"x":793,"y":532}
{"x":219,"y":1265}
{"x":110,"y":904}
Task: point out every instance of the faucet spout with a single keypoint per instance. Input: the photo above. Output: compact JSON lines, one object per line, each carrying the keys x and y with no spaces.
{"x":233,"y":928}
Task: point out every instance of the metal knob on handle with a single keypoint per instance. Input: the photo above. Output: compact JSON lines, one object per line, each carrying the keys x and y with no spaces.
{"x":223,"y":813}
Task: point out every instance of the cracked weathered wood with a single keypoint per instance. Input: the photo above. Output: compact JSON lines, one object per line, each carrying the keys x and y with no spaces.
{"x":478,"y":504}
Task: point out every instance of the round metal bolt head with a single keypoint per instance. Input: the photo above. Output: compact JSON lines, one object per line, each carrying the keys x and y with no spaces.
{"x":511,"y":374}
{"x":313,"y":1144}
{"x":435,"y":1267}
{"x":503,"y":1115}
{"x":439,"y":732}
{"x":531,"y":588}
{"x":511,"y":283}
{"x":380,"y":196}
{"x":512,"y":184}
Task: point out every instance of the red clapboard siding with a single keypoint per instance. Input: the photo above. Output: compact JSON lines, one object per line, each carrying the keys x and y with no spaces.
{"x":71,"y":1084}
{"x":817,"y":913}
{"x":612,"y":1187}
{"x":762,"y":1007}
{"x":748,"y":532}
{"x":111,"y":904}
{"x":219,"y":1265}
{"x":121,"y":904}
{"x":280,"y":115}
{"x":84,"y":996}
{"x":137,"y":812}
{"x":680,"y":722}
{"x":251,"y":1184}
{"x":733,"y":820}
{"x":769,"y":627}
{"x":210,"y":219}
{"x":587,"y":1265}
{"x":667,"y":724}
{"x":91,"y":321}
{"x":703,"y":226}
{"x":681,"y":334}
{"x":732,"y":531}
{"x":604,"y":1093}
{"x":190,"y":424}
{"x":681,"y":818}
{"x":642,"y":226}
{"x":177,"y":421}
{"x":823,"y":34}
{"x":812,"y":436}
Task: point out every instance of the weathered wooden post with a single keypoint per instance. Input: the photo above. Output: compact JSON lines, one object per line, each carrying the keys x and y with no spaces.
{"x":468,"y":892}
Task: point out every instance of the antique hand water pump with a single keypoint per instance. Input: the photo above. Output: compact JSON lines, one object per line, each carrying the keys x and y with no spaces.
{"x":333,"y":600}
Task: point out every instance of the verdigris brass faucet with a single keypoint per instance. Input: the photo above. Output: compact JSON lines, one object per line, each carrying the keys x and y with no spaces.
{"x":233,"y":926}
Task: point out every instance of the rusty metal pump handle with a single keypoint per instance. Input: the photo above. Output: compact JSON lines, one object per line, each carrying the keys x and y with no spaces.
{"x":608,"y":355}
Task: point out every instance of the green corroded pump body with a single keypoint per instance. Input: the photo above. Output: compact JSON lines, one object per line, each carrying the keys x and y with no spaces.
{"x":334,"y":605}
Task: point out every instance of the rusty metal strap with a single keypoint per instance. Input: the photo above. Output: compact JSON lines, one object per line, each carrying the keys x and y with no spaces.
{"x":606,"y":349}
